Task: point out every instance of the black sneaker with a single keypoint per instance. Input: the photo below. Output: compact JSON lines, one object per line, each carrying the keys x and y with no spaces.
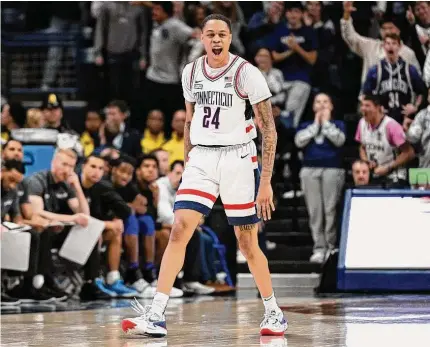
{"x":51,"y":288}
{"x":57,"y":295}
{"x":28,"y":294}
{"x":132,"y":275}
{"x":40,"y":296}
{"x":7,"y":300}
{"x":90,"y":292}
{"x":150,"y":275}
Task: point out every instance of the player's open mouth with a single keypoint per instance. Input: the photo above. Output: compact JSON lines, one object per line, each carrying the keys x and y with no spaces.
{"x":216,"y":51}
{"x":390,"y":52}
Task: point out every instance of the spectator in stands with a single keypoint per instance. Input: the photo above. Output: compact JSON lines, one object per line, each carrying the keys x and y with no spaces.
{"x":418,"y":134}
{"x":371,"y":50}
{"x":163,"y":161}
{"x":52,"y":108}
{"x":198,"y":13}
{"x":137,"y":223}
{"x":13,"y":150}
{"x":293,"y":47}
{"x":153,"y":135}
{"x":107,"y":205}
{"x":262,"y":24}
{"x":146,"y":175}
{"x":168,"y":186}
{"x":114,"y":132}
{"x":65,"y":20}
{"x":322,"y":176}
{"x":30,"y":289}
{"x":53,"y":194}
{"x":121,"y":32}
{"x":420,"y":33}
{"x":325,"y":30}
{"x":178,"y":10}
{"x":361,"y":173}
{"x":398,"y":84}
{"x":232,"y":11}
{"x":383,"y":144}
{"x":12,"y":117}
{"x":163,"y":76}
{"x":426,"y":74}
{"x":175,"y":146}
{"x":90,"y":137}
{"x":274,"y":78}
{"x":34,"y":119}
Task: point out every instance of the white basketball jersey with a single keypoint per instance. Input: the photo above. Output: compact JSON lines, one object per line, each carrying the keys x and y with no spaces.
{"x":222,"y":115}
{"x":378,"y":148}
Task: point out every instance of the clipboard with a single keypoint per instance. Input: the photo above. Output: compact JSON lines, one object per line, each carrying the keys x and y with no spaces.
{"x":15,"y":250}
{"x":80,"y":241}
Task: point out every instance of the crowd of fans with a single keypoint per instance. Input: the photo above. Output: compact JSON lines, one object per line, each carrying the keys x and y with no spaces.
{"x":132,"y":148}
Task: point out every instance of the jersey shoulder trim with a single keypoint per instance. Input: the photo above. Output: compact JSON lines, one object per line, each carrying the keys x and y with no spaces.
{"x":219,"y":75}
{"x":192,"y":73}
{"x":236,"y":80}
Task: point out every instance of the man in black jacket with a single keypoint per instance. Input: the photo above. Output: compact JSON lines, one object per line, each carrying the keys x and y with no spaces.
{"x":114,"y":132}
{"x":107,"y":205}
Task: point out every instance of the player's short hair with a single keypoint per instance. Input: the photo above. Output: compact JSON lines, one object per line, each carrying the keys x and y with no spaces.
{"x":4,"y":146}
{"x":393,"y":36}
{"x":217,"y":16}
{"x":67,"y":151}
{"x":93,"y":155}
{"x":177,"y":162}
{"x":150,"y":156}
{"x":373,"y":98}
{"x":123,"y":158}
{"x":13,"y":164}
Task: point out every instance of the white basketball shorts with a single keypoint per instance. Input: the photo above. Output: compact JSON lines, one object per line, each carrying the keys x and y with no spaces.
{"x":230,"y":172}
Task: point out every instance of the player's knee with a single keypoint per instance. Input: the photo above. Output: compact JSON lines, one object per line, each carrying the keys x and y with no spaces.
{"x":117,"y":238}
{"x":246,"y":247}
{"x":177,"y":234}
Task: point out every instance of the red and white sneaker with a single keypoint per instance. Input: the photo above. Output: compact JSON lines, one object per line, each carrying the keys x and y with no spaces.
{"x":147,"y":324}
{"x":273,"y":324}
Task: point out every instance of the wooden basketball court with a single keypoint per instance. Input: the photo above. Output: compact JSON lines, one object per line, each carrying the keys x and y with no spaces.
{"x":354,"y":321}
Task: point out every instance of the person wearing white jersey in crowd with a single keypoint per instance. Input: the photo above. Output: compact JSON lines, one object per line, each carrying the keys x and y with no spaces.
{"x":418,"y":133}
{"x":383,"y":144}
{"x":221,"y":160}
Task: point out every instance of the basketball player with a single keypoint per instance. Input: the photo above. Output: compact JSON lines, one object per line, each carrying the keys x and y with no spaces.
{"x":221,"y":160}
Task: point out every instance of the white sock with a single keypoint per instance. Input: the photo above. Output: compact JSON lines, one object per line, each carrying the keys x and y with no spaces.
{"x":38,"y":281}
{"x":112,"y":277}
{"x":270,"y":303}
{"x":159,"y":303}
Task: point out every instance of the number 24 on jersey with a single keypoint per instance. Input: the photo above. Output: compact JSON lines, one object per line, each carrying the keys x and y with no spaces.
{"x":210,"y":118}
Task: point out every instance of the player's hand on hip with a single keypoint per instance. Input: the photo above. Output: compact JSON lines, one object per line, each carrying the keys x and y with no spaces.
{"x":264,"y":201}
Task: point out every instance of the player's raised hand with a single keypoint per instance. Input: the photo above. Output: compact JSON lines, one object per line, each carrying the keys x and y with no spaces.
{"x":264,"y":201}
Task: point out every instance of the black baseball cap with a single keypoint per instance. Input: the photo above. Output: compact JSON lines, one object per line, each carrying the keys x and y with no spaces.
{"x":51,"y":101}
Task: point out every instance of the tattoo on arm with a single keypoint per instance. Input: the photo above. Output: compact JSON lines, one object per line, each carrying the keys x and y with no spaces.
{"x":270,"y":138}
{"x":187,"y":140}
{"x":247,"y":227}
